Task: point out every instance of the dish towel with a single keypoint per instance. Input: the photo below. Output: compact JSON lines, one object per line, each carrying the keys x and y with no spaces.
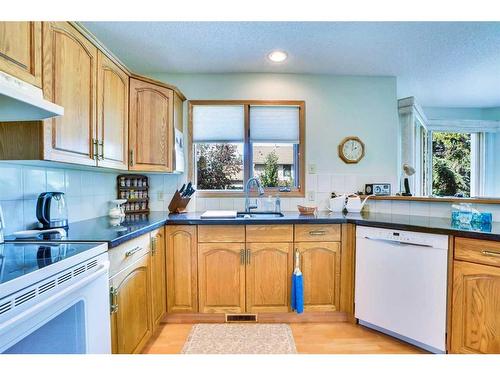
{"x":297,"y":294}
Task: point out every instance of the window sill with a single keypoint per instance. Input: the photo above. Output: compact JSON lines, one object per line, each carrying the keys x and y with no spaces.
{"x":241,"y":194}
{"x":436,"y":199}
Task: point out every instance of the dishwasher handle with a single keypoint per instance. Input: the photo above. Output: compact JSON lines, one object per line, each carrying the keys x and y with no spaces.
{"x":396,"y":242}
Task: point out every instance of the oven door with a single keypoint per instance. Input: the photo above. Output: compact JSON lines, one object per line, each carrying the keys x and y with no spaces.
{"x":72,"y":320}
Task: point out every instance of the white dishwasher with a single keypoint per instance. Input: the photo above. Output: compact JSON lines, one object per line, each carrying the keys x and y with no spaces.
{"x":401,"y":285}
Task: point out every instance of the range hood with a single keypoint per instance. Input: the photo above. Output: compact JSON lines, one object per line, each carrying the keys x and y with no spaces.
{"x":20,"y":101}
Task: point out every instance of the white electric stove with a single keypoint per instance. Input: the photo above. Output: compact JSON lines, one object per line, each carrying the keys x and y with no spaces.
{"x":54,"y":298}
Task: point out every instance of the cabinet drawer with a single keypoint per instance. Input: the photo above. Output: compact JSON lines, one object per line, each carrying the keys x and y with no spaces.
{"x":124,"y":255}
{"x":477,"y":251}
{"x":221,"y":233}
{"x":316,"y":232}
{"x":269,"y":233}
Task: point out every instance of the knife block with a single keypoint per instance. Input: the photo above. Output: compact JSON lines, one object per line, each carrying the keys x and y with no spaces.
{"x":178,"y":204}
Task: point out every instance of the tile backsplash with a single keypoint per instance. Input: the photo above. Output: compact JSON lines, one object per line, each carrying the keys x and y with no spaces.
{"x":87,"y":191}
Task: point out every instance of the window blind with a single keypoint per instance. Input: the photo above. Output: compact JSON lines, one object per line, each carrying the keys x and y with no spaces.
{"x":274,"y":124}
{"x":218,"y":123}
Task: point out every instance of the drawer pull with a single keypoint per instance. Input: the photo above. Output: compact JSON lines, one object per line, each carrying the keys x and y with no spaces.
{"x":242,"y":256}
{"x":317,"y":232}
{"x":491,"y":253}
{"x":113,"y":296}
{"x":249,"y":255}
{"x":133,"y":251}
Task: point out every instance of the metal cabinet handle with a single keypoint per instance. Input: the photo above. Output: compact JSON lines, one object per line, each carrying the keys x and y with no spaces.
{"x":153,"y":245}
{"x":131,"y":161}
{"x":101,"y":155}
{"x":242,"y":256}
{"x":491,"y":253}
{"x":133,"y":251}
{"x":317,"y":232}
{"x":95,"y":151}
{"x":249,"y":255}
{"x":113,"y":299}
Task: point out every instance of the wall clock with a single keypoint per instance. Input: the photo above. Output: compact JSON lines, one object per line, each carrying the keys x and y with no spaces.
{"x":351,"y":150}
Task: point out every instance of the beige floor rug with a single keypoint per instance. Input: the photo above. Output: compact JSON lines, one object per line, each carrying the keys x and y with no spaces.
{"x":236,"y":338}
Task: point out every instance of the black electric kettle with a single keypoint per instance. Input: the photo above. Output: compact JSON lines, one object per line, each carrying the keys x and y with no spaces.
{"x":51,"y":210}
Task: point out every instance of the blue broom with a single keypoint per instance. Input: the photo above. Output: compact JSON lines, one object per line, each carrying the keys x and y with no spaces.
{"x":297,"y":295}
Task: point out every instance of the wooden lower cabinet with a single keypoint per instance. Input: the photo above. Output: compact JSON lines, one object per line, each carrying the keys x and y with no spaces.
{"x":158,"y":276}
{"x":475,"y":309}
{"x":268,"y":271}
{"x":221,"y":277}
{"x":182,"y":269}
{"x":131,"y":325}
{"x":320,"y":266}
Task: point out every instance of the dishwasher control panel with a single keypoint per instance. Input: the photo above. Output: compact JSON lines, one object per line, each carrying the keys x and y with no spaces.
{"x":415,"y":238}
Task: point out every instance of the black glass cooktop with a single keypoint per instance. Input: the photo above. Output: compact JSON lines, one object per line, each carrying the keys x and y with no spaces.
{"x":18,"y":259}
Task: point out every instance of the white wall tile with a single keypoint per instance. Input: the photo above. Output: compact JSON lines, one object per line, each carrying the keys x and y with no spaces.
{"x":29,"y":214}
{"x":420,"y":208}
{"x":212,"y":204}
{"x":440,"y":209}
{"x":34,"y":182}
{"x":11,"y":182}
{"x":239,"y":204}
{"x":73,"y":180}
{"x":384,"y":207}
{"x":400,"y":207}
{"x":226,"y":204}
{"x":350,"y":183}
{"x":312,"y":182}
{"x":56,"y":180}
{"x":337,"y":183}
{"x":13,"y":215}
{"x":324,"y":183}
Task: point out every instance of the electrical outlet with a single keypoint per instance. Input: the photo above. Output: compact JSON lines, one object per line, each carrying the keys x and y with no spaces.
{"x":311,"y":168}
{"x":161,"y":196}
{"x":311,"y":196}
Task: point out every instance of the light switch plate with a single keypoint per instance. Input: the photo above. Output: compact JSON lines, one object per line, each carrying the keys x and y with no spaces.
{"x":161,"y":196}
{"x":311,"y":196}
{"x":311,"y":168}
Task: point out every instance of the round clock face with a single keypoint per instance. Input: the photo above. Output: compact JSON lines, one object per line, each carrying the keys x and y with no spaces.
{"x":351,"y":150}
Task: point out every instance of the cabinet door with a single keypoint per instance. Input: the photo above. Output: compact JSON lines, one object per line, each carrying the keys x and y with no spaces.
{"x":158,"y":276}
{"x":21,"y":50}
{"x":320,"y":266}
{"x":70,"y":72}
{"x":476,"y":309}
{"x":182,"y":269}
{"x":151,"y":127}
{"x":131,"y":322}
{"x":221,"y":277}
{"x":112,"y":114}
{"x":268,"y":275}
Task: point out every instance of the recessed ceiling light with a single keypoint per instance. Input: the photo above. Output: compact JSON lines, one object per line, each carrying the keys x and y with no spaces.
{"x":277,"y":56}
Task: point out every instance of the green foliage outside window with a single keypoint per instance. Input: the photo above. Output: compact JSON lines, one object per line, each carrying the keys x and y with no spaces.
{"x":451,"y":164}
{"x":218,"y":166}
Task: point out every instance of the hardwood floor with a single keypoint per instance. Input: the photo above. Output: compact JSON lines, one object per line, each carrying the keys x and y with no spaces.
{"x":310,"y":338}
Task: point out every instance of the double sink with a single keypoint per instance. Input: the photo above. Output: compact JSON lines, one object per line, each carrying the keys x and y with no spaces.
{"x":259,"y":215}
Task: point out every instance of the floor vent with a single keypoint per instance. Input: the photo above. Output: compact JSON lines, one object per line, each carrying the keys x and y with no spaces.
{"x":241,"y":318}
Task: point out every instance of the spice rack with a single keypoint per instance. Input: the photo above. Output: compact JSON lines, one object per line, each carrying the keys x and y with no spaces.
{"x":135,"y":189}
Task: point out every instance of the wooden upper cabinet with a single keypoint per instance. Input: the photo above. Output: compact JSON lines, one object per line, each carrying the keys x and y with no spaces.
{"x":131,"y":325}
{"x":158,"y":276}
{"x":221,"y":277}
{"x":112,"y":114}
{"x":69,"y":79}
{"x":21,"y":50}
{"x":320,"y":266}
{"x":182,"y":269}
{"x":151,"y":127}
{"x":268,"y":275}
{"x":475,"y":309}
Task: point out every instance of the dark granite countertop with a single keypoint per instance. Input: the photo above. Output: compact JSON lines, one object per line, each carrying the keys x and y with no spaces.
{"x":100,"y":229}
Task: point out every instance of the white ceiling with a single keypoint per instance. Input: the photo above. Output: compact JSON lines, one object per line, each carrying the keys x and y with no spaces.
{"x":441,"y":64}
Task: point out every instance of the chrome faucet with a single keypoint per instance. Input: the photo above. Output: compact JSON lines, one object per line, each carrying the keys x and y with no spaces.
{"x":257,"y":183}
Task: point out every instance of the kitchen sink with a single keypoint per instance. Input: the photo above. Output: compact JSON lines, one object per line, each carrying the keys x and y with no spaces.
{"x":259,"y":215}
